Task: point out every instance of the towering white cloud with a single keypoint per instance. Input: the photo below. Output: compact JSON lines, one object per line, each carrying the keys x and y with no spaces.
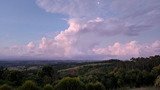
{"x":92,"y":22}
{"x":128,"y":17}
{"x":81,"y":41}
{"x":30,"y":45}
{"x":130,"y":49}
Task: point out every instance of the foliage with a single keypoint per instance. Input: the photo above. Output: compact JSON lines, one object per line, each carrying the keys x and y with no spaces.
{"x":48,"y":87}
{"x":95,"y":86}
{"x":156,"y":71}
{"x":157,"y":82}
{"x":29,"y":85}
{"x":70,"y":84}
{"x":5,"y":87}
{"x":48,"y":70}
{"x":111,"y":74}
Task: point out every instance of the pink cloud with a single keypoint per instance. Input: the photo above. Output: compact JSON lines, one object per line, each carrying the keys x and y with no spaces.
{"x":91,"y":24}
{"x":67,"y":45}
{"x":84,"y":40}
{"x":130,"y":49}
{"x":118,"y":49}
{"x":31,"y":45}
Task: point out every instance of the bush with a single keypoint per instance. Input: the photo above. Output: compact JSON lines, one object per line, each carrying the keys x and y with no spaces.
{"x":29,"y":85}
{"x":5,"y":87}
{"x":48,"y":87}
{"x":157,"y":82}
{"x":95,"y":86}
{"x":70,"y":84}
{"x":90,"y":86}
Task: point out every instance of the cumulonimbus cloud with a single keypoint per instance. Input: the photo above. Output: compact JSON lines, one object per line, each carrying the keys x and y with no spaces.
{"x":74,"y":43}
{"x":91,"y":22}
{"x":129,"y":17}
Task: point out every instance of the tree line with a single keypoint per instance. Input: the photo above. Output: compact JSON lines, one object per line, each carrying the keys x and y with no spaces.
{"x":101,"y":75}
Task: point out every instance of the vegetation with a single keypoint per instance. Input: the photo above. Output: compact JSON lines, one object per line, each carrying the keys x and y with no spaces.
{"x":70,"y":84}
{"x":157,"y":82}
{"x":95,"y":86}
{"x":5,"y":87}
{"x":29,"y":85}
{"x":99,"y":75}
{"x":48,"y":87}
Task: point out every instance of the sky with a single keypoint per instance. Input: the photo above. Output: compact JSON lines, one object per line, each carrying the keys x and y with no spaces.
{"x":79,"y":29}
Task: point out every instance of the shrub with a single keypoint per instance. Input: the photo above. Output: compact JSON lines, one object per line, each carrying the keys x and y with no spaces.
{"x":48,"y":87}
{"x":5,"y":87}
{"x":157,"y":82}
{"x":29,"y":85}
{"x":70,"y":84}
{"x":95,"y":86}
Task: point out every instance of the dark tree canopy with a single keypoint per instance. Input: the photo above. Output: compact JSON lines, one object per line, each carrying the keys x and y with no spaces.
{"x":48,"y":87}
{"x":65,"y":75}
{"x":29,"y":85}
{"x":95,"y":86}
{"x":157,"y":82}
{"x":70,"y":84}
{"x":48,"y":70}
{"x":6,"y":87}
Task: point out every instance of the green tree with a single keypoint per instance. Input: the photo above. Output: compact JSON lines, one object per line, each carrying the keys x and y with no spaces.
{"x":157,"y":82}
{"x":2,"y":70}
{"x":156,"y":71}
{"x":110,"y":81}
{"x":5,"y":87}
{"x":95,"y":86}
{"x":48,"y":71}
{"x":70,"y":84}
{"x":120,"y":75}
{"x":15,"y":77}
{"x":29,"y":85}
{"x":48,"y":87}
{"x":148,"y":78}
{"x":90,"y":86}
{"x":47,"y":74}
{"x":134,"y":78}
